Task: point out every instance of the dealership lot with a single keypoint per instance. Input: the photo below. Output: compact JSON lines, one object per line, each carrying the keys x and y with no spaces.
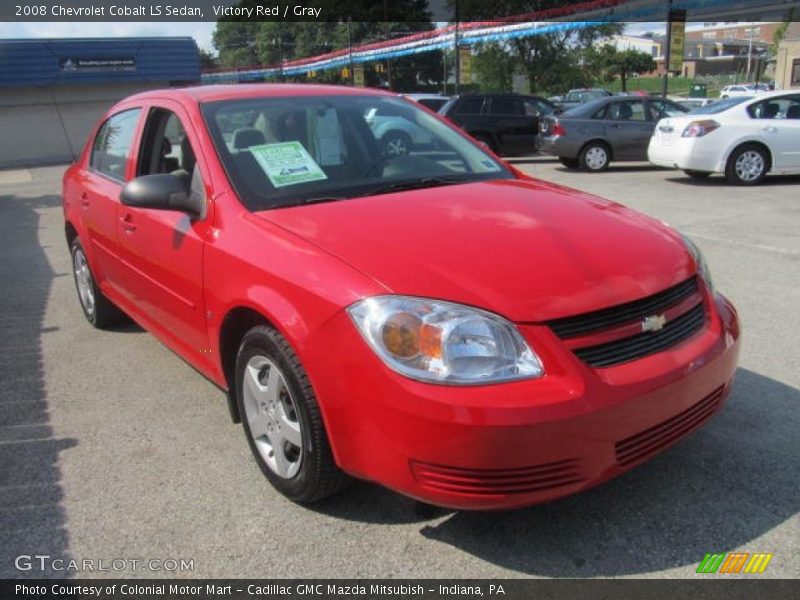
{"x":112,"y":448}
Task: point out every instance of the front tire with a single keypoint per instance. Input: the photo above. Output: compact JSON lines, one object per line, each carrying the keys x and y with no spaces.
{"x":282,"y":420}
{"x":97,"y":309}
{"x":594,"y":157}
{"x":747,"y":165}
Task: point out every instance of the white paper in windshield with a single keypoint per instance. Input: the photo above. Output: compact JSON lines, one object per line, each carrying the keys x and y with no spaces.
{"x":287,"y":163}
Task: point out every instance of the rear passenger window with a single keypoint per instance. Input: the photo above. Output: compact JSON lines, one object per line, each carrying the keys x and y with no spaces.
{"x":506,"y":106}
{"x":470,"y":106}
{"x":627,"y":111}
{"x":786,"y":107}
{"x":113,"y":143}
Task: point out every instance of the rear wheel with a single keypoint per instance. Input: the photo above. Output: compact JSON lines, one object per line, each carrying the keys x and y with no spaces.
{"x":595,"y":157}
{"x":282,"y":420}
{"x":396,"y":143}
{"x":97,"y":309}
{"x":747,"y":165}
{"x":697,"y":174}
{"x":570,"y":163}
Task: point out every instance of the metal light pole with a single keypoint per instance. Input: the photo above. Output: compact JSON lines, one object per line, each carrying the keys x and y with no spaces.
{"x":458,"y":61}
{"x":350,"y":49}
{"x":279,"y":41}
{"x":444,"y":71}
{"x":387,"y":36}
{"x":749,"y":52}
{"x":667,"y":50}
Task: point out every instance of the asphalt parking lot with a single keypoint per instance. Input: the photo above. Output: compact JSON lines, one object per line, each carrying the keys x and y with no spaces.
{"x":112,"y":447}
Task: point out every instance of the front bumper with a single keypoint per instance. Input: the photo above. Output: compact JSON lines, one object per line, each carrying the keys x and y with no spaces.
{"x":516,"y":444}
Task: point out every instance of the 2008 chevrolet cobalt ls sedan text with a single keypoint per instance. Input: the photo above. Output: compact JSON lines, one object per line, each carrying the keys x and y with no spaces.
{"x":435,"y":321}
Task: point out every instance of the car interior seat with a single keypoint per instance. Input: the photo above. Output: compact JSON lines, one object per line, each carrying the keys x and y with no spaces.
{"x":167,"y":164}
{"x":770,"y":110}
{"x":246,"y":137}
{"x":625,"y":112}
{"x":793,"y":112}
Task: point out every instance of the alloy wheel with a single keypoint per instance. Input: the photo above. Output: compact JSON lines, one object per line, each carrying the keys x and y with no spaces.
{"x":750,"y":165}
{"x":395,"y":147}
{"x":272,"y":418}
{"x":83,"y":281}
{"x":596,"y":158}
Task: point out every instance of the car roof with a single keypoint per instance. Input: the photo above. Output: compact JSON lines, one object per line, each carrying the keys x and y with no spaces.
{"x":776,"y":93}
{"x":213,"y":93}
{"x":426,"y":96}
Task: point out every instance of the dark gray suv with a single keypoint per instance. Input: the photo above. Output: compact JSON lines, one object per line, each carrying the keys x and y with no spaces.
{"x":507,"y":123}
{"x":592,"y":135}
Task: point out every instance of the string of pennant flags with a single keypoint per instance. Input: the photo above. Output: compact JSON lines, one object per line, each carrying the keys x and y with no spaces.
{"x":594,"y":12}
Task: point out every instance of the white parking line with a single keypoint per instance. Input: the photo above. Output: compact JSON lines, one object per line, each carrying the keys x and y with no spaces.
{"x":15,"y":176}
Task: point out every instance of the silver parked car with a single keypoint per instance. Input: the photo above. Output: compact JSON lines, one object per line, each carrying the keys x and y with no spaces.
{"x":430,"y":101}
{"x":592,"y":135}
{"x":692,"y":103}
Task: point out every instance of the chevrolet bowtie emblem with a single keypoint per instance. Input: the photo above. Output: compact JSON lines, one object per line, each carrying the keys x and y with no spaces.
{"x":654,"y":323}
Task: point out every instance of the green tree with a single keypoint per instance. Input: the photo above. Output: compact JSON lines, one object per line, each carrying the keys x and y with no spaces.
{"x":494,"y":66}
{"x":207,"y":60}
{"x":243,"y":43}
{"x":554,"y":61}
{"x":628,"y":62}
{"x":780,"y":33}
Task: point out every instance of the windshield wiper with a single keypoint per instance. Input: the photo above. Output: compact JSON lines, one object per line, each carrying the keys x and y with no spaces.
{"x":399,"y":186}
{"x":314,"y":200}
{"x":425,"y":182}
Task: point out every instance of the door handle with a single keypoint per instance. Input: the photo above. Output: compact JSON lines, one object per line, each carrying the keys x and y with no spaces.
{"x":127,"y":223}
{"x":85,"y":200}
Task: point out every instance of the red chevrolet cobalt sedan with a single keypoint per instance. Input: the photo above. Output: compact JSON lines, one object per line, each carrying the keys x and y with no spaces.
{"x":432,"y":320}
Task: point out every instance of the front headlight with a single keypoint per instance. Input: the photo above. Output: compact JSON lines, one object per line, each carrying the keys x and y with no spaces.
{"x":700,"y":261}
{"x":442,"y":342}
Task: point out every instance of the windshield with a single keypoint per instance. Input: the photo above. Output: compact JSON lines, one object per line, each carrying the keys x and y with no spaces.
{"x":720,"y":105}
{"x":585,"y":109}
{"x":585,"y":95}
{"x":285,"y":151}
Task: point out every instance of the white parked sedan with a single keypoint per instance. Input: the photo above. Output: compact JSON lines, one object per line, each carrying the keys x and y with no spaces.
{"x":743,"y":137}
{"x":744,"y":89}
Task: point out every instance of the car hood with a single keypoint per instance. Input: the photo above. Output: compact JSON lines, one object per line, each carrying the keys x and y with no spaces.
{"x":525,"y":249}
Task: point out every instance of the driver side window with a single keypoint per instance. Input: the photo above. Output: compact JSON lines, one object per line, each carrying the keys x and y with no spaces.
{"x":166,"y":149}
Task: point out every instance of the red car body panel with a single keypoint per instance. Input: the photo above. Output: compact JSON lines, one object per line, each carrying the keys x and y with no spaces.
{"x":521,"y":248}
{"x":525,"y":249}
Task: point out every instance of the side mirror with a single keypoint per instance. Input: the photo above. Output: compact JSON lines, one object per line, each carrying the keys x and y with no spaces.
{"x":162,"y":192}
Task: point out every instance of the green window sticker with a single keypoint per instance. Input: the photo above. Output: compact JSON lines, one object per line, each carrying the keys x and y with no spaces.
{"x":287,"y":163}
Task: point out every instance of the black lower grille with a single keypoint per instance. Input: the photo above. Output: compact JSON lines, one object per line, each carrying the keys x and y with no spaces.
{"x":643,"y":344}
{"x":656,"y":438}
{"x":568,"y":327}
